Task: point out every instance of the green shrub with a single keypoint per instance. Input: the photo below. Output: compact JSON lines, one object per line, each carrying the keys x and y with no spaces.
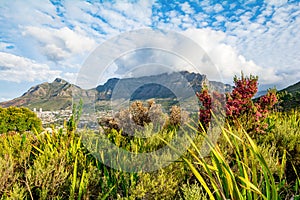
{"x":285,"y":137}
{"x":193,"y":192}
{"x":19,"y":120}
{"x":15,"y":152}
{"x":162,"y":184}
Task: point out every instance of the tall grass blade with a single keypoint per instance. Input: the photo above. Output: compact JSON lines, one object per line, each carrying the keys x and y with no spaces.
{"x":74,"y":179}
{"x":199,"y":178}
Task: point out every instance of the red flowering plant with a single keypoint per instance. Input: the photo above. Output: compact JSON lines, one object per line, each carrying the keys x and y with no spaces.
{"x":205,"y":109}
{"x":211,"y":103}
{"x":241,"y":110}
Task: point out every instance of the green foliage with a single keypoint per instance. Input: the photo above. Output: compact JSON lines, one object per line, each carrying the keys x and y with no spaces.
{"x":14,"y":155}
{"x":285,"y":137}
{"x":243,"y":168}
{"x":47,"y":167}
{"x":246,"y":176}
{"x":57,"y":166}
{"x":19,"y":120}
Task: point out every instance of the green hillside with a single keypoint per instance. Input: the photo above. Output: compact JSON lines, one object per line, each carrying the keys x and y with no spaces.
{"x":289,"y":98}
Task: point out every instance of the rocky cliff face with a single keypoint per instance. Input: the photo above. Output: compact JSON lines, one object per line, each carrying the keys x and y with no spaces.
{"x":166,"y":85}
{"x":58,"y":87}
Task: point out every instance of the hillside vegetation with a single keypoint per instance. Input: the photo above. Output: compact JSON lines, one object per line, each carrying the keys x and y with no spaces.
{"x":257,"y":155}
{"x":290,"y":97}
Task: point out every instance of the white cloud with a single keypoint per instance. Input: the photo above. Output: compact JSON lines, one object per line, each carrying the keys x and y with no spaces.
{"x":108,"y":18}
{"x":59,"y":44}
{"x":70,"y":77}
{"x":17,"y":69}
{"x":218,"y":8}
{"x":226,"y":58}
{"x":29,"y":12}
{"x":186,"y":8}
{"x":272,"y":41}
{"x":276,"y":2}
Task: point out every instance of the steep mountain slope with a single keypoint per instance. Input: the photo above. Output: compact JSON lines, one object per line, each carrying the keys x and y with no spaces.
{"x":49,"y":96}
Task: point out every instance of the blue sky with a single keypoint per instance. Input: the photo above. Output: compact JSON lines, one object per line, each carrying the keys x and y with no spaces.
{"x":42,"y":40}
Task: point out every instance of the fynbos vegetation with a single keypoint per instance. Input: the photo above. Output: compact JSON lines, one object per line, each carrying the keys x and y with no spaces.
{"x":257,"y":155}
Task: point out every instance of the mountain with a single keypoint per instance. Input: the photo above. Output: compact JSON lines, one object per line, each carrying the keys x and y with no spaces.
{"x":58,"y":94}
{"x":48,"y":96}
{"x":165,"y":85}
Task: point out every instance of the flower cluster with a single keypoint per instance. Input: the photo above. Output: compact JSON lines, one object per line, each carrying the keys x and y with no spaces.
{"x":205,"y":109}
{"x":240,"y":108}
{"x":211,"y":103}
{"x":239,"y":101}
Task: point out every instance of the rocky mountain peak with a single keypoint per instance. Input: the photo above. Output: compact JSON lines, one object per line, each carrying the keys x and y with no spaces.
{"x":59,"y":80}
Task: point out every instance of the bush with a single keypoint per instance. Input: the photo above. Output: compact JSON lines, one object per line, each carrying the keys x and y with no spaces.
{"x":193,"y":191}
{"x":246,"y":175}
{"x":15,"y":152}
{"x":241,"y":110}
{"x":138,"y":116}
{"x":162,"y":184}
{"x":18,"y":120}
{"x":285,"y":137}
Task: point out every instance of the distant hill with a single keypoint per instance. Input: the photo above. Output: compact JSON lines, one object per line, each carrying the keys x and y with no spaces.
{"x":58,"y":94}
{"x":289,"y":98}
{"x":292,"y":88}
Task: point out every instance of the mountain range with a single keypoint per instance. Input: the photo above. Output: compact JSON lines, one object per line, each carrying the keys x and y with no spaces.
{"x":58,"y":94}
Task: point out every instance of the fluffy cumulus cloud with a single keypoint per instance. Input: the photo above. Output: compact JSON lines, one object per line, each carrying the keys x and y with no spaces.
{"x":59,"y":44}
{"x":216,"y":59}
{"x":17,"y":69}
{"x":174,"y":51}
{"x":227,"y":59}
